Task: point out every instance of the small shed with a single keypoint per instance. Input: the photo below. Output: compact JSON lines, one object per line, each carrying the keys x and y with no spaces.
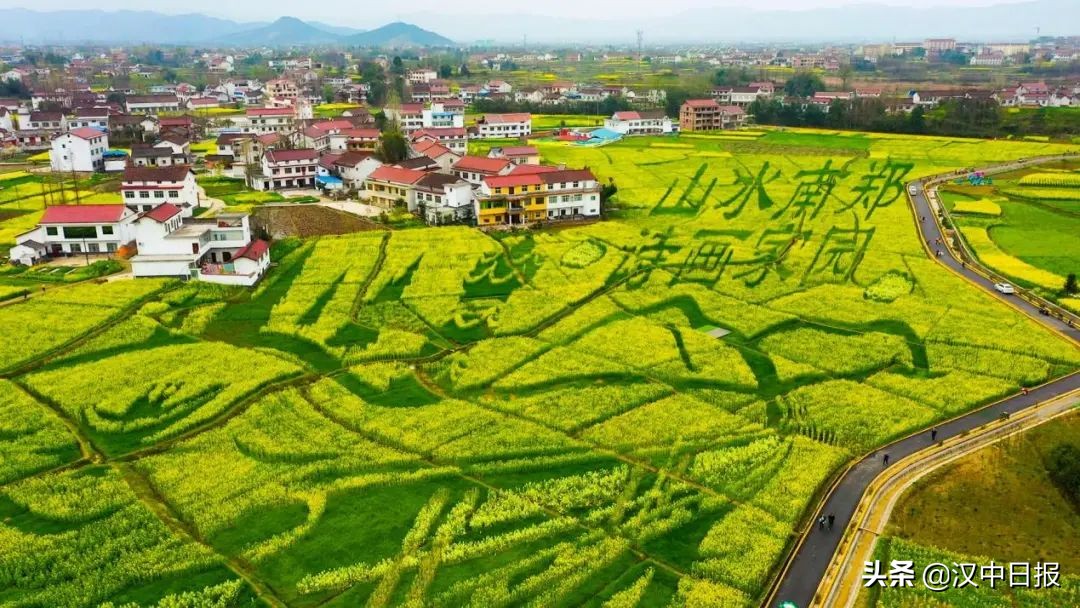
{"x":115,"y":160}
{"x":27,"y":253}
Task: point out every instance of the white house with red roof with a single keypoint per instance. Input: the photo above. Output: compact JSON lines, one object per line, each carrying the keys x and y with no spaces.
{"x":144,"y":188}
{"x":79,"y":149}
{"x":282,"y":169}
{"x":152,"y":104}
{"x":474,"y":169}
{"x":454,"y":138}
{"x":267,"y":120}
{"x":354,"y":140}
{"x":645,"y":122}
{"x":504,"y":125}
{"x":409,"y":116}
{"x":388,"y":187}
{"x":355,"y":167}
{"x":216,"y":250}
{"x":442,"y":199}
{"x":571,"y":193}
{"x":519,"y":155}
{"x":443,"y":156}
{"x":81,"y":229}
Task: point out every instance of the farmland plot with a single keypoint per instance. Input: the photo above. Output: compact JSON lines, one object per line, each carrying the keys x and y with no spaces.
{"x":634,"y":412}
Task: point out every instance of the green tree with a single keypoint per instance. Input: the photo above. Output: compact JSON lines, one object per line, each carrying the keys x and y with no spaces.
{"x":392,"y":146}
{"x":803,"y":84}
{"x":1071,"y":286}
{"x":328,"y":93}
{"x":1063,"y":465}
{"x":445,"y":71}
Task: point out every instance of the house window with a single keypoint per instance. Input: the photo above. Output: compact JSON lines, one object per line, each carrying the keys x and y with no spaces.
{"x":144,"y":194}
{"x":50,"y":230}
{"x":106,"y":230}
{"x":80,"y":232}
{"x":159,"y":194}
{"x":174,"y":193}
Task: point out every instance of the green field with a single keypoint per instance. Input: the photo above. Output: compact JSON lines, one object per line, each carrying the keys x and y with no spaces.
{"x":1033,"y":237}
{"x":444,"y":417}
{"x":23,"y":197}
{"x":999,"y":504}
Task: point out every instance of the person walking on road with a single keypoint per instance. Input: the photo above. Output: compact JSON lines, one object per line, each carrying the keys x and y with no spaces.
{"x":933,"y":434}
{"x":885,"y":460}
{"x":832,"y":520}
{"x":821,"y":523}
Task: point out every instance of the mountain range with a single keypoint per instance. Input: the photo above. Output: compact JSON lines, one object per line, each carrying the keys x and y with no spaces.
{"x":132,"y":27}
{"x":858,"y":22}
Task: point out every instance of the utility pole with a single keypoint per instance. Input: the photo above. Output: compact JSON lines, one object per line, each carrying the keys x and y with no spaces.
{"x":640,"y":44}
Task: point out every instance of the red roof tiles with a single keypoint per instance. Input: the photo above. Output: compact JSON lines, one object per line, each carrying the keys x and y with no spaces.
{"x":163,"y":212}
{"x":253,"y":251}
{"x":396,"y":175}
{"x":83,"y":214}
{"x":480,"y":164}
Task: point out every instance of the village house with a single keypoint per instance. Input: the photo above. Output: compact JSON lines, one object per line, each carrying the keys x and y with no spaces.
{"x":708,"y":115}
{"x":739,"y":96}
{"x":444,"y":115}
{"x":354,"y":168}
{"x":354,"y":140}
{"x":456,"y":139}
{"x":283,"y":169}
{"x":79,"y":229}
{"x":203,"y":103}
{"x":474,"y":169}
{"x":442,"y":199}
{"x":268,"y":120}
{"x":389,"y":187}
{"x":45,"y":121}
{"x":281,"y":89}
{"x":422,"y":75}
{"x":645,"y":122}
{"x":152,"y":104}
{"x":571,"y":193}
{"x":94,"y":118}
{"x":149,"y":155}
{"x":80,"y":149}
{"x":144,"y":188}
{"x":217,"y":250}
{"x":504,"y":125}
{"x":519,"y":155}
{"x":510,"y":199}
{"x":409,"y":116}
{"x":442,"y":156}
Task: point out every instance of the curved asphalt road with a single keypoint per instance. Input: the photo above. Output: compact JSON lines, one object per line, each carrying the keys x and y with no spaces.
{"x":807,"y":568}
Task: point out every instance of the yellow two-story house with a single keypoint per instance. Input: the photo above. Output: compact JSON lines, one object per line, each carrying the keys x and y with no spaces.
{"x":511,"y":199}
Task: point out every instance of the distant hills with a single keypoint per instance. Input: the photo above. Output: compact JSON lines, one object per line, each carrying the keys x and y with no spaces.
{"x":132,"y":27}
{"x":858,"y":21}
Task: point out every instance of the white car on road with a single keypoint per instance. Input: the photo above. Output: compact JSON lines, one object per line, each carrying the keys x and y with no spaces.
{"x":1005,"y":288}
{"x":913,"y":190}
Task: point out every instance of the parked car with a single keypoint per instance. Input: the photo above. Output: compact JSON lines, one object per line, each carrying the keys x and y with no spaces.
{"x":1005,"y":288}
{"x":913,"y":190}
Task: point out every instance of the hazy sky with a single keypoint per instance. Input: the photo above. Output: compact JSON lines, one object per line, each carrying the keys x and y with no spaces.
{"x":373,"y":13}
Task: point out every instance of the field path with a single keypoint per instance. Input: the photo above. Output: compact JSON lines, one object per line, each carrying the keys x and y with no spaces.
{"x":842,"y":583}
{"x":808,"y":563}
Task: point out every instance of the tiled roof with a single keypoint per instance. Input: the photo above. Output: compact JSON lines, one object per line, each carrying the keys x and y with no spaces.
{"x":253,"y":251}
{"x":481,"y":164}
{"x":567,"y":175}
{"x":277,"y":156}
{"x":163,"y":212}
{"x":86,"y":133}
{"x":502,"y":181}
{"x":171,"y":174}
{"x":506,"y":118}
{"x":397,"y":175}
{"x":83,"y":214}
